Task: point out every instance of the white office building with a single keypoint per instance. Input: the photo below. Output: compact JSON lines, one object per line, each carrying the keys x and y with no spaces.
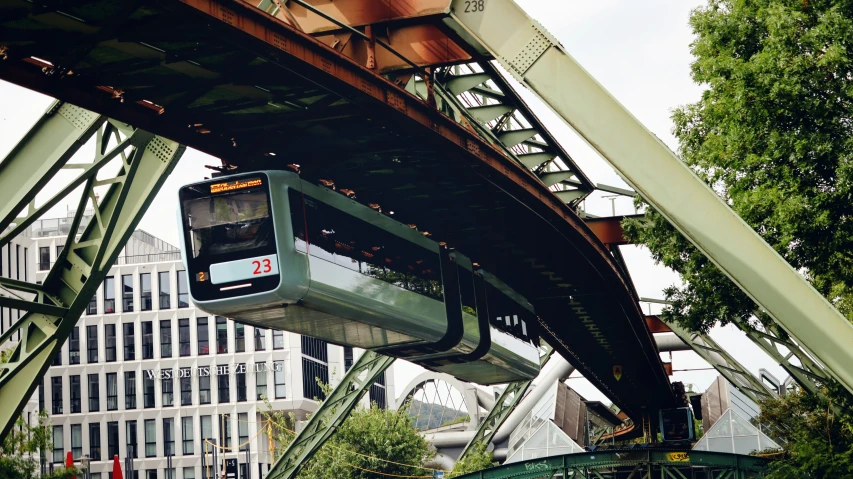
{"x":148,"y":375}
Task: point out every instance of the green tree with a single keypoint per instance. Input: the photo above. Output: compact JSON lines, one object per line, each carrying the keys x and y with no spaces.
{"x":772,"y":135}
{"x":370,"y":439}
{"x":477,"y":459}
{"x":818,"y":441}
{"x":21,"y":449}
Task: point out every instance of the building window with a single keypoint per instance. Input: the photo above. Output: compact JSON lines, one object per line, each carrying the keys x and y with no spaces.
{"x":315,"y":367}
{"x":148,"y":391}
{"x":260,"y":338}
{"x":378,"y":392}
{"x":110,"y":346}
{"x":44,"y":258}
{"x":277,"y":339}
{"x":183,"y":295}
{"x":145,"y":292}
{"x":74,"y":346}
{"x":347,"y":358}
{"x":186,"y":387}
{"x":278,"y":377}
{"x":112,"y":439}
{"x":59,"y":249}
{"x":129,"y":330}
{"x":221,"y":335}
{"x":76,"y":395}
{"x":130,"y":389}
{"x":57,"y":358}
{"x":239,"y":338}
{"x":189,"y":473}
{"x":167,"y":388}
{"x":165,"y":290}
{"x":56,"y":394}
{"x":206,"y":425}
{"x":109,"y":295}
{"x":240,"y":376}
{"x":94,"y":393}
{"x":132,"y":440}
{"x":112,"y":391}
{"x":203,"y":336}
{"x":168,"y":436}
{"x":151,"y":474}
{"x":91,"y":344}
{"x":244,"y":471}
{"x":147,"y":339}
{"x":187,"y":436}
{"x":224,"y":390}
{"x":243,"y":430}
{"x":165,"y":338}
{"x":92,"y":308}
{"x":95,"y":441}
{"x":184,"y":336}
{"x":58,"y":444}
{"x":76,"y":441}
{"x":261,"y":384}
{"x":127,"y":293}
{"x":150,"y":438}
{"x":225,"y":430}
{"x":204,"y":389}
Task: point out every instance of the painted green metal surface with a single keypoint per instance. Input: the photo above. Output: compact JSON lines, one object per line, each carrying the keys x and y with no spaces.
{"x":504,"y":406}
{"x":54,"y":307}
{"x":633,"y":464}
{"x":331,"y":414}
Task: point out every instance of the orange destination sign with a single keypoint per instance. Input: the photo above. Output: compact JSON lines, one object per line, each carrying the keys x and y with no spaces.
{"x":235,"y":185}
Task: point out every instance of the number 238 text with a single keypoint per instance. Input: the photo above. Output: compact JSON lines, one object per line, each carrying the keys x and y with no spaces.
{"x":473,"y":6}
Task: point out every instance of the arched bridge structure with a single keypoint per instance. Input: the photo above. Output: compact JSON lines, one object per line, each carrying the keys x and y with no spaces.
{"x":229,"y":79}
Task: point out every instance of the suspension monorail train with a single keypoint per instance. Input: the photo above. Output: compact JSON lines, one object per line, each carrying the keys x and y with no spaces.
{"x":272,"y":250}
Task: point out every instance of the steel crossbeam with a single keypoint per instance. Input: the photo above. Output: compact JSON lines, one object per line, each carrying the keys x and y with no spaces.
{"x":330,"y":415}
{"x":116,"y":201}
{"x":504,"y":405}
{"x":724,"y":363}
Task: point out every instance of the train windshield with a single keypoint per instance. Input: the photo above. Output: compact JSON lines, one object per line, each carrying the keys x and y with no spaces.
{"x":237,"y":221}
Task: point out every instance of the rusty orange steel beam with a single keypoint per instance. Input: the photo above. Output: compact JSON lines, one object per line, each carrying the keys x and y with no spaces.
{"x":609,"y":230}
{"x":414,"y":28}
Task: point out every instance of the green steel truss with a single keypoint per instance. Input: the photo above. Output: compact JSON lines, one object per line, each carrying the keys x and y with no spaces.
{"x":632,"y":464}
{"x":116,"y":198}
{"x":331,"y":414}
{"x":503,"y":407}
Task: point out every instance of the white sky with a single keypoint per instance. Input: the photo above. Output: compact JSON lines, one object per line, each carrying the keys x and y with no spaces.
{"x":639,"y":51}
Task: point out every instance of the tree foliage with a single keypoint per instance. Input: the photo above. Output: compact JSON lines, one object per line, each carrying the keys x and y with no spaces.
{"x":477,"y":459}
{"x":772,"y":135}
{"x":370,"y":439}
{"x":817,"y":436}
{"x":21,"y":449}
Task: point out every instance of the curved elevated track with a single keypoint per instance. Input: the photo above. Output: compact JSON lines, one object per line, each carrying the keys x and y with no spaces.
{"x":226,"y":78}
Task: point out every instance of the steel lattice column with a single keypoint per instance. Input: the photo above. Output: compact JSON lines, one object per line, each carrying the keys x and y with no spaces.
{"x":53,"y":308}
{"x":331,"y":414}
{"x":504,"y":406}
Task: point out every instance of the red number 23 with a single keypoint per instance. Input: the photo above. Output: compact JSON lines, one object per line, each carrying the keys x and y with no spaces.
{"x":266,"y":265}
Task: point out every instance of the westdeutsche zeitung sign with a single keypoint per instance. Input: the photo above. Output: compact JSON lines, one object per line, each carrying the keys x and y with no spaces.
{"x":214,"y":370}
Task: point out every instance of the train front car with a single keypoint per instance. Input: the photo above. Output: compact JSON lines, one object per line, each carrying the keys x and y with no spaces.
{"x":271,"y":250}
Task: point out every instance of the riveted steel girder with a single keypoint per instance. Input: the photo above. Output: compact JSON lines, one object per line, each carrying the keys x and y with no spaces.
{"x":505,"y":404}
{"x":331,"y":414}
{"x":145,"y":160}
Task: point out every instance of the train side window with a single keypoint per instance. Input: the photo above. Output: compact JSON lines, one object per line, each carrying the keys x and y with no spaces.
{"x":347,"y":241}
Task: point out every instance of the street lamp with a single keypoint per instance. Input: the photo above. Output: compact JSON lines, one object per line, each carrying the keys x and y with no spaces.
{"x":84,"y":462}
